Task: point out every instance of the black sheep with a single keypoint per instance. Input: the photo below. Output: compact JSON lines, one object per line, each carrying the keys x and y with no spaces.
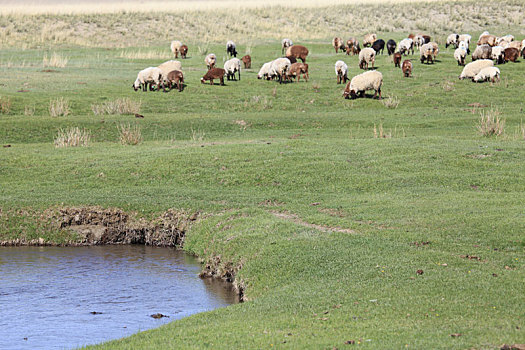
{"x":378,"y":45}
{"x":391,"y":46}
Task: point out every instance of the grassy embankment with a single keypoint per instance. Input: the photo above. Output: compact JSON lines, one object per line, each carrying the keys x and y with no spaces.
{"x":320,"y":216}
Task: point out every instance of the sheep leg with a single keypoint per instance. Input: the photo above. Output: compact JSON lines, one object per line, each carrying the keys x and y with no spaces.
{"x":239,"y":75}
{"x":211,"y":81}
{"x":379,"y":90}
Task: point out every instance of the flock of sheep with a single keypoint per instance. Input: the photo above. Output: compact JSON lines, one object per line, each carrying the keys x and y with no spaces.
{"x":489,"y":49}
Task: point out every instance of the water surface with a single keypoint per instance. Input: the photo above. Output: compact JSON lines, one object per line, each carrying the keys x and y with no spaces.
{"x":48,"y":294}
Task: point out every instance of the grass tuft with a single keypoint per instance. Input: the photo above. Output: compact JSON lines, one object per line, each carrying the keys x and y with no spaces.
{"x":390,"y":102}
{"x":490,"y":124}
{"x":59,"y":107}
{"x":5,"y":105}
{"x":118,"y":106}
{"x":56,"y":61}
{"x":72,"y":137}
{"x":29,"y":111}
{"x":129,"y":135}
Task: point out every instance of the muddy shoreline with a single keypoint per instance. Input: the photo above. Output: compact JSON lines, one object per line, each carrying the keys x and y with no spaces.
{"x":112,"y":226}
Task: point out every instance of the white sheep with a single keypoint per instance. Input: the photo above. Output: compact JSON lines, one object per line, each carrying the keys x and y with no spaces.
{"x":167,"y":67}
{"x":466,"y":38}
{"x":367,"y":56}
{"x":341,"y":70}
{"x":497,"y":54}
{"x":405,"y":46}
{"x":369,"y":39}
{"x":264,"y":72}
{"x":426,"y":52}
{"x":231,"y":66}
{"x":371,"y":80}
{"x":279,"y":67}
{"x":460,"y":55}
{"x":210,"y":60}
{"x":474,"y":68}
{"x":151,"y":76}
{"x":286,"y":43}
{"x":452,"y":40}
{"x":464,"y":45}
{"x":231,"y":49}
{"x":487,"y":74}
{"x":516,"y":44}
{"x":419,"y":41}
{"x":175,"y":47}
{"x":482,"y":52}
{"x":483,"y":34}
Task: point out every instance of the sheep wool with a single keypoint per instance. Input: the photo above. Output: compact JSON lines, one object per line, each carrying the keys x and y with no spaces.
{"x":474,"y":68}
{"x":487,"y":74}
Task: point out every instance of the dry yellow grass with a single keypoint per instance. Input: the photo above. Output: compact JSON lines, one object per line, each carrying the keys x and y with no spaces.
{"x":72,"y":137}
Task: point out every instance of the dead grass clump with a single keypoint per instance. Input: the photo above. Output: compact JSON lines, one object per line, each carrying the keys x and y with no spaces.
{"x":5,"y":105}
{"x":118,"y":106}
{"x":258,"y":103}
{"x":72,"y":137}
{"x":390,"y":102}
{"x":59,"y":107}
{"x":448,"y":86}
{"x":490,"y":124}
{"x":381,"y":133}
{"x":144,"y":55}
{"x":29,"y":110}
{"x":316,"y":86}
{"x":55,"y":60}
{"x":129,"y":135}
{"x":520,"y":131}
{"x":197,"y":135}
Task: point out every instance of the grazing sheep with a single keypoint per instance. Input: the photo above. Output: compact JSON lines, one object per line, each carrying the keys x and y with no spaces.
{"x":487,"y":40}
{"x":498,"y":54}
{"x":231,"y":49}
{"x":487,"y":74}
{"x":210,"y":60}
{"x":435,"y":49}
{"x":183,"y":51}
{"x":378,"y":45}
{"x":214,"y":73}
{"x":507,"y":38}
{"x":427,"y":53}
{"x":341,"y":70}
{"x":297,"y":51}
{"x":175,"y":78}
{"x":482,"y":52}
{"x":371,"y":80}
{"x":405,"y":46}
{"x":296,"y":69}
{"x":151,"y":76}
{"x":419,"y":41}
{"x":247,"y":60}
{"x":466,"y":39}
{"x":407,"y":68}
{"x":369,"y":39}
{"x":460,"y":55}
{"x":464,"y":45}
{"x":169,"y":66}
{"x":338,"y":43}
{"x":397,"y":59}
{"x":285,"y":44}
{"x":473,"y":68}
{"x":515,"y":44}
{"x":231,"y":66}
{"x":292,"y":59}
{"x":511,"y":54}
{"x":175,"y":47}
{"x":352,"y":46}
{"x":367,"y":56}
{"x":483,"y":34}
{"x":426,"y":38}
{"x":391,"y":47}
{"x":279,"y":67}
{"x":452,"y":40}
{"x":264,"y":72}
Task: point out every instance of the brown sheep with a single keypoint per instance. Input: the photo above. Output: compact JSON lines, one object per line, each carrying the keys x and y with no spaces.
{"x":183,"y":51}
{"x":352,"y":46}
{"x":426,"y":37}
{"x":411,"y":36}
{"x":487,"y":39}
{"x":175,"y":78}
{"x":214,"y":73}
{"x":511,"y":54}
{"x":292,"y":59}
{"x":296,"y":70}
{"x":297,"y":51}
{"x":397,"y":60}
{"x":407,"y":68}
{"x":338,"y":43}
{"x":247,"y":60}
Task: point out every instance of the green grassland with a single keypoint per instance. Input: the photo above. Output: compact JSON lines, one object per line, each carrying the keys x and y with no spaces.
{"x":319,"y":218}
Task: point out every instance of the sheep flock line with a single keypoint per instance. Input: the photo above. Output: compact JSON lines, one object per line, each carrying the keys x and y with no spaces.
{"x":489,"y":50}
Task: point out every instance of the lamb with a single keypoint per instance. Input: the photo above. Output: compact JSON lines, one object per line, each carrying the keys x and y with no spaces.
{"x":338,"y":43}
{"x":341,"y":70}
{"x":488,"y":40}
{"x":407,"y":68}
{"x":498,"y":54}
{"x":466,"y":39}
{"x":264,"y":72}
{"x":231,"y":66}
{"x":405,"y":46}
{"x":352,"y":46}
{"x":175,"y":47}
{"x":378,"y":45}
{"x":460,"y":55}
{"x":214,"y":73}
{"x":464,"y":45}
{"x":296,"y":69}
{"x":427,"y":53}
{"x":297,"y":51}
{"x":487,"y":74}
{"x":210,"y":60}
{"x":397,"y":59}
{"x":247,"y":60}
{"x":391,"y":47}
{"x":175,"y":78}
{"x":371,"y":80}
{"x":473,"y":68}
{"x":285,"y":44}
{"x":279,"y":67}
{"x":452,"y":40}
{"x":511,"y":54}
{"x":369,"y":39}
{"x":231,"y":49}
{"x":183,"y":51}
{"x":151,"y":76}
{"x":167,"y":67}
{"x":367,"y":56}
{"x":482,"y":52}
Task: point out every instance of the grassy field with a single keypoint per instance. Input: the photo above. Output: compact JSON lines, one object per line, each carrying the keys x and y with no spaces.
{"x":412,"y":240}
